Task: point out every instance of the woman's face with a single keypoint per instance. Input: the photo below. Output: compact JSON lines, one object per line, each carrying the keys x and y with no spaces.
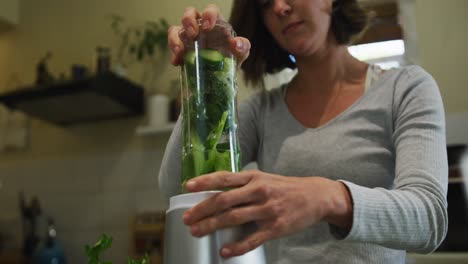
{"x":299,"y":26}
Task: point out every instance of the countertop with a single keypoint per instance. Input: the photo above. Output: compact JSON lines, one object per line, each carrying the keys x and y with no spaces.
{"x":438,"y":258}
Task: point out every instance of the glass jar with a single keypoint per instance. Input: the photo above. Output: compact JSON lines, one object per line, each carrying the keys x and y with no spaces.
{"x":209,"y":97}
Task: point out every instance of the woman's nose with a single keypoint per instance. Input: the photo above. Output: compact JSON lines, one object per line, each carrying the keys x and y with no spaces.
{"x":282,"y":7}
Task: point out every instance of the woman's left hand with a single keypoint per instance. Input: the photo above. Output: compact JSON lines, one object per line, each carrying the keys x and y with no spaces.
{"x":279,"y":205}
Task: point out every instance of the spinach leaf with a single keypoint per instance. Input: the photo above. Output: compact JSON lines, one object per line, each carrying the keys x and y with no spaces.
{"x":209,"y":115}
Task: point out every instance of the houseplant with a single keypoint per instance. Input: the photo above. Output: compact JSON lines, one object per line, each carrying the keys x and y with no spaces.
{"x":144,"y":44}
{"x":139,"y":41}
{"x":93,"y":252}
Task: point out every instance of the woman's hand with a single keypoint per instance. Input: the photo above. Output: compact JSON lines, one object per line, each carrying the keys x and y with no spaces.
{"x":239,"y":46}
{"x":279,"y":205}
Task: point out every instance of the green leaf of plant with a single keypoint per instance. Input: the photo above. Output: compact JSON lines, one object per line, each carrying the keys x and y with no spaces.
{"x":140,"y":40}
{"x":164,"y":23}
{"x":132,"y":49}
{"x":140,"y":53}
{"x":144,"y":260}
{"x":100,"y":246}
{"x":150,"y":50}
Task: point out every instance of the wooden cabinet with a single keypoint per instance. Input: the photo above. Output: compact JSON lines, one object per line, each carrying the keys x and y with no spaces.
{"x":383,"y":24}
{"x":10,"y":257}
{"x":148,"y":236}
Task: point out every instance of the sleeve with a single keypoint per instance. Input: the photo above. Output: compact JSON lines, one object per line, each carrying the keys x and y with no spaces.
{"x":413,"y":215}
{"x":170,"y":172}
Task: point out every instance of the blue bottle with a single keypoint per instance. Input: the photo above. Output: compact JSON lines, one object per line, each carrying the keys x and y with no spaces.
{"x":50,"y":251}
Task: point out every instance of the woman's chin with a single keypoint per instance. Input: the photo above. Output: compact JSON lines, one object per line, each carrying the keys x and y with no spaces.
{"x":301,"y":47}
{"x":301,"y":51}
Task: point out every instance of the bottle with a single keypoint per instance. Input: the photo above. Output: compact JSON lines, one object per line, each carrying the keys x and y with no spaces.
{"x":103,"y":60}
{"x":50,"y":251}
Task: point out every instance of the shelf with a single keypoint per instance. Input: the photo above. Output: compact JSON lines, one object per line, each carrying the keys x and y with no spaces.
{"x":438,"y":257}
{"x":148,"y":229}
{"x":153,"y":130}
{"x":100,"y":97}
{"x":453,"y":180}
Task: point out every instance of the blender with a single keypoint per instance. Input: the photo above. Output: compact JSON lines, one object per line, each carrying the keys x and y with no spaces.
{"x":210,"y":143}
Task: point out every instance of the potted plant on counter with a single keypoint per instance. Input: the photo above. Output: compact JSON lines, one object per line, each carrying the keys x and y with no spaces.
{"x":141,"y":41}
{"x":144,"y":45}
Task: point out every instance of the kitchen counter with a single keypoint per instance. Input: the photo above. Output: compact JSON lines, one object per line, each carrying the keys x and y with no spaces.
{"x":438,"y":258}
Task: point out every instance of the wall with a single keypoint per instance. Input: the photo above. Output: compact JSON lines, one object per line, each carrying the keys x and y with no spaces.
{"x":9,"y":11}
{"x":442,"y":37}
{"x":8,"y":78}
{"x":438,"y":45}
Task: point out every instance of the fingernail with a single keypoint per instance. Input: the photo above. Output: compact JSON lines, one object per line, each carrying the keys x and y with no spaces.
{"x":191,"y":31}
{"x":176,"y":49}
{"x":206,"y":24}
{"x":194,"y":229}
{"x":186,"y":218}
{"x":226,"y":252}
{"x":239,"y":45}
{"x":190,"y":184}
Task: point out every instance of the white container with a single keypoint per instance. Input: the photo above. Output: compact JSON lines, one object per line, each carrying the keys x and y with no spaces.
{"x":158,"y":110}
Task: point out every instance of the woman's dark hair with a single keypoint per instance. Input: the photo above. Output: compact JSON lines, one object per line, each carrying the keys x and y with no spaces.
{"x":266,"y":56}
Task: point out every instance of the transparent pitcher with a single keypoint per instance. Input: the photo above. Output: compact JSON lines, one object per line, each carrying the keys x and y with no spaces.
{"x":209,"y":92}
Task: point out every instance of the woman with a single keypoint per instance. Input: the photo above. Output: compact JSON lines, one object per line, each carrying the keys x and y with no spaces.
{"x":352,"y":159}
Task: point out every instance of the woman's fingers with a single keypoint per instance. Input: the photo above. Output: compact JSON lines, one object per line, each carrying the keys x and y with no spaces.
{"x":220,"y":180}
{"x":240,"y":47}
{"x":250,"y":243}
{"x":189,"y":22}
{"x":219,"y":203}
{"x":175,"y":44}
{"x":271,"y":201}
{"x":232,"y":217}
{"x":190,"y":25}
{"x":209,"y":16}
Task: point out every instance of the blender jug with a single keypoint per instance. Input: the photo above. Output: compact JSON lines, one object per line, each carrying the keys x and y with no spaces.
{"x":209,"y":104}
{"x":210,"y":143}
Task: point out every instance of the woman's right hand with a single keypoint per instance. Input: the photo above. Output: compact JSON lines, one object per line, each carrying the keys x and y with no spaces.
{"x":240,"y":46}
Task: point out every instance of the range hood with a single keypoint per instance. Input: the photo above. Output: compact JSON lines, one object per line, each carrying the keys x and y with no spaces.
{"x":101,"y":97}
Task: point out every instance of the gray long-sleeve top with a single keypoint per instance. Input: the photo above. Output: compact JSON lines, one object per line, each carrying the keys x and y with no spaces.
{"x":388,"y":148}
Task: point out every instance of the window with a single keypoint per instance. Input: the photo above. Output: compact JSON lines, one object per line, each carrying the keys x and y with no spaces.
{"x":386,"y":54}
{"x":382,"y":43}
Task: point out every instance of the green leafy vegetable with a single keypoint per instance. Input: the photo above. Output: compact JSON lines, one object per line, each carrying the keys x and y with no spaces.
{"x":209,"y":115}
{"x":105,"y":242}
